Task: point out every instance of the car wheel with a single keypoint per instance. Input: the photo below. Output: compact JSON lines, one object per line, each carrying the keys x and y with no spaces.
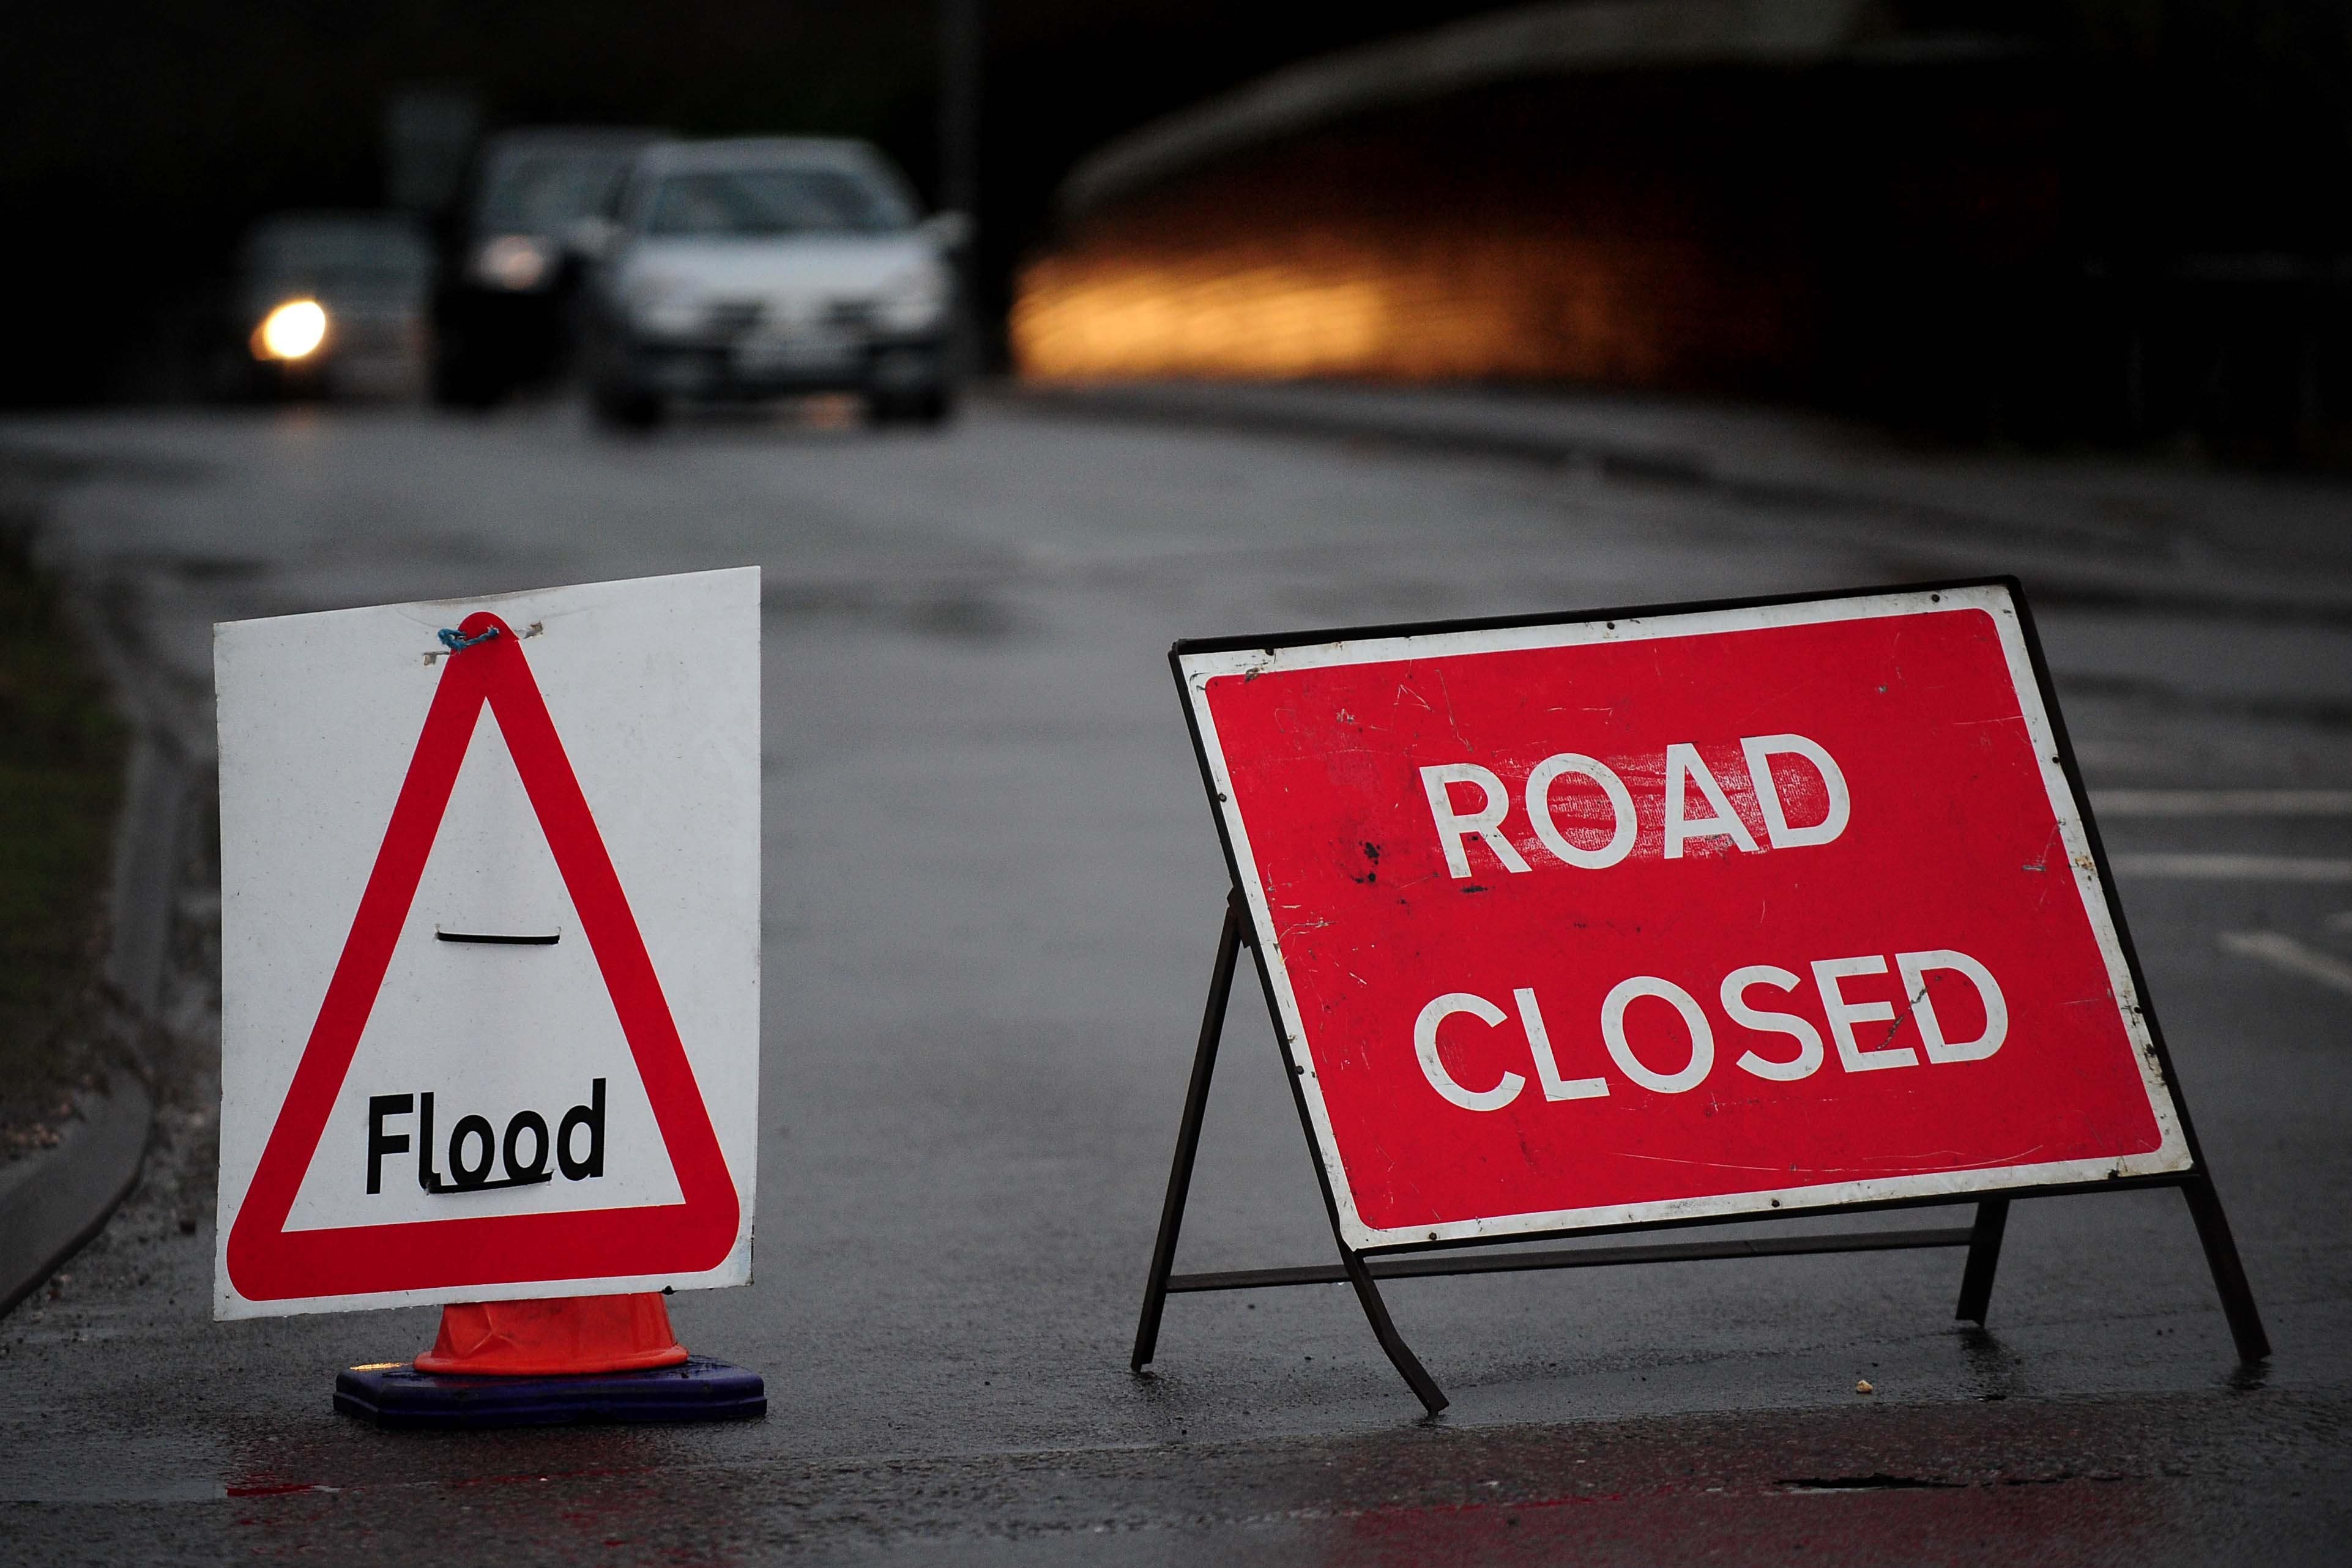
{"x":936,"y":406}
{"x":928,"y":406}
{"x":456,"y":386}
{"x":460,"y":379}
{"x":625,"y":407}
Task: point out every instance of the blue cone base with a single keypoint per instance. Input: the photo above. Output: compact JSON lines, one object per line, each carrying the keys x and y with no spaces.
{"x":699,"y":1389}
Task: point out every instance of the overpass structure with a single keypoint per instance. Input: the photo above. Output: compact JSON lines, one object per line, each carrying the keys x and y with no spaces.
{"x":1778,"y":197}
{"x":1547,"y":40}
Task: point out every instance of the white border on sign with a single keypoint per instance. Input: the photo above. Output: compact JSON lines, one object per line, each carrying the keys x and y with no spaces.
{"x":2171,"y":1154}
{"x":347,"y":777}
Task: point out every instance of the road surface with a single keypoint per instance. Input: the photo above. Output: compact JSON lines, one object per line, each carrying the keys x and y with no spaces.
{"x":993,"y":891}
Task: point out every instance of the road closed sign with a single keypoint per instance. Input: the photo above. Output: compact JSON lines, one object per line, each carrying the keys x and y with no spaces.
{"x":490,"y":946}
{"x":1672,"y":915}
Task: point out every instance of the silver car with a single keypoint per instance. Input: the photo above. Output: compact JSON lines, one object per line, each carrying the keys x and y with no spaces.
{"x":745,"y":269}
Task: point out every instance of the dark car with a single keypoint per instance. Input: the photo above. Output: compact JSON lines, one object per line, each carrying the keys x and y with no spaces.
{"x":331,"y":304}
{"x":503,"y":317}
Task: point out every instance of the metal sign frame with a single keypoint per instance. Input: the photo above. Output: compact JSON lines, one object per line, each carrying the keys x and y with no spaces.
{"x":1365,"y":1263}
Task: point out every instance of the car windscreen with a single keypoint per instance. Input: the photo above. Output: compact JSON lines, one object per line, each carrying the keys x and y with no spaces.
{"x":775,"y":200}
{"x":354,"y":255}
{"x":543,"y":193}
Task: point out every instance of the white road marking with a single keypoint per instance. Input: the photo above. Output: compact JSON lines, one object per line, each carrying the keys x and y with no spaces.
{"x":2235,"y":868}
{"x":2222,"y":802}
{"x":2282,"y":951}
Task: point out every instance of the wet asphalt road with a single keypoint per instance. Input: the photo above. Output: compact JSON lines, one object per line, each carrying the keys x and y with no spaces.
{"x":993,"y":894}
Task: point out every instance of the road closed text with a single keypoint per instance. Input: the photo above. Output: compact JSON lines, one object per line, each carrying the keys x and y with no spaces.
{"x":1807,"y":779}
{"x":1814,"y":782}
{"x":1677,"y":1044}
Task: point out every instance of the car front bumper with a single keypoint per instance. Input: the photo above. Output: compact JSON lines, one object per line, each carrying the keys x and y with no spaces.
{"x":748,"y":368}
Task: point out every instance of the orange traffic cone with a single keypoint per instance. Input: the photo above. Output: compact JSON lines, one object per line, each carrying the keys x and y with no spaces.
{"x":562,"y":1337}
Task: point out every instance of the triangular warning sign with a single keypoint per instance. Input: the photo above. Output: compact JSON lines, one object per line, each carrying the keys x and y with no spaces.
{"x":268,"y":1262}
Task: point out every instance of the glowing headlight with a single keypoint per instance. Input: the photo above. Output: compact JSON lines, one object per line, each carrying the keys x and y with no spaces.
{"x":514,"y":261}
{"x":292,"y":331}
{"x":913,"y":300}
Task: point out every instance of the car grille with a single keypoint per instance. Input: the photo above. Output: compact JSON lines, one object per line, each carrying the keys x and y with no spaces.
{"x":733,"y":318}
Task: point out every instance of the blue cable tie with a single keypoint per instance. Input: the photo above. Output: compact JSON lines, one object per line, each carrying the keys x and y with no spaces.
{"x":457,"y":641}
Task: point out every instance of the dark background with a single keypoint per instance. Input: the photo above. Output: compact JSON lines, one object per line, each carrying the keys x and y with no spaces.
{"x":2199,"y":140}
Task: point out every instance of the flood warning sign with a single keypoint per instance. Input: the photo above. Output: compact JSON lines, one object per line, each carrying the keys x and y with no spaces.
{"x":490,"y":946}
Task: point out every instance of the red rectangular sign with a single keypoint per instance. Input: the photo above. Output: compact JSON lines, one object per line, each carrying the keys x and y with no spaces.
{"x":1736,"y":910}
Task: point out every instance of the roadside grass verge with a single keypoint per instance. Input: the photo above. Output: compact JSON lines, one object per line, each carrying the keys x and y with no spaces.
{"x":62,"y":746}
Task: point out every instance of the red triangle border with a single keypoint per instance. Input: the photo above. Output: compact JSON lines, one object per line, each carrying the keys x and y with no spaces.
{"x":266,"y":1262}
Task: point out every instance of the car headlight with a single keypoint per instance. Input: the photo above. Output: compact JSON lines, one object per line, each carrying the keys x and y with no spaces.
{"x":660,"y":303}
{"x":912,"y":301}
{"x":292,"y":331}
{"x":517,"y":262}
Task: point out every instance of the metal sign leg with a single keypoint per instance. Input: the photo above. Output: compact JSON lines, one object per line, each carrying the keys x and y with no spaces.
{"x":1984,"y":1257}
{"x":1179,"y":1185}
{"x":2228,"y":1273}
{"x":1368,"y":1294}
{"x":1188,"y":1137}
